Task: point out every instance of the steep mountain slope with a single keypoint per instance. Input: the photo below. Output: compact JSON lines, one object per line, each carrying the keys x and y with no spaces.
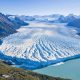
{"x":39,"y":45}
{"x":8,"y":26}
{"x":16,"y":20}
{"x":9,"y":73}
{"x":75,"y":23}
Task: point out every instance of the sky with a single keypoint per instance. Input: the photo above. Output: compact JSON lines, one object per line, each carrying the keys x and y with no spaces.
{"x":40,"y":7}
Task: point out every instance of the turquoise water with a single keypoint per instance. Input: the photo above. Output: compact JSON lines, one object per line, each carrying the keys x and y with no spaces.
{"x":70,"y":69}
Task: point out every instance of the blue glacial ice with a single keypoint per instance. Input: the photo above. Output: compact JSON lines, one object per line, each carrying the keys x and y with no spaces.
{"x":41,"y":44}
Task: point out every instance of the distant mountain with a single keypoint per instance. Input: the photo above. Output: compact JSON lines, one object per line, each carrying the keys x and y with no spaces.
{"x":47,"y":18}
{"x":17,"y":20}
{"x":70,"y":18}
{"x":8,"y":26}
{"x":22,"y":17}
{"x":65,"y":19}
{"x":75,"y":23}
{"x":56,"y":18}
{"x":27,"y":18}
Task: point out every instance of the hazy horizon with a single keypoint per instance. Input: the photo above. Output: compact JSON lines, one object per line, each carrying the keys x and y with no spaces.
{"x":40,"y":7}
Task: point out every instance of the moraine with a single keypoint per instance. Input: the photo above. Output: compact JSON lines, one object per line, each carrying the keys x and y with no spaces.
{"x":41,"y":44}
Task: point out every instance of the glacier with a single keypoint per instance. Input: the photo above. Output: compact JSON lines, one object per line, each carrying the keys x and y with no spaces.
{"x":41,"y":44}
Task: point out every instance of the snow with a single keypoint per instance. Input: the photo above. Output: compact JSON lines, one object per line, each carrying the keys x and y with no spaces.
{"x":6,"y":76}
{"x":41,"y":42}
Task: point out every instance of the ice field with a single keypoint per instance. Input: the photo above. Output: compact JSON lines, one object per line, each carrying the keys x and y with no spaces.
{"x":41,"y":44}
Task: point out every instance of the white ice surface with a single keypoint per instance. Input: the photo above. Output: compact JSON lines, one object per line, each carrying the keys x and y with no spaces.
{"x":42,"y":42}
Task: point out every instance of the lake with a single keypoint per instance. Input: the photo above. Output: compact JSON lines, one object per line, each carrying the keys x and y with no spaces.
{"x":69,"y":69}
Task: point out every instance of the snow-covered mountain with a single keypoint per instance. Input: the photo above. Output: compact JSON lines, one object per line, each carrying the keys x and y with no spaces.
{"x":15,"y":19}
{"x":26,"y":18}
{"x":21,"y":17}
{"x":48,"y":18}
{"x":55,"y":18}
{"x":41,"y":44}
{"x":76,"y":24}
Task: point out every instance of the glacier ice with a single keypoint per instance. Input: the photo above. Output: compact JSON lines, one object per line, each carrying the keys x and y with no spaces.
{"x":40,"y":44}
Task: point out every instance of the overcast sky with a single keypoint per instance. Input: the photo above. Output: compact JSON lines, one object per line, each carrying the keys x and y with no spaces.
{"x":40,"y":7}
